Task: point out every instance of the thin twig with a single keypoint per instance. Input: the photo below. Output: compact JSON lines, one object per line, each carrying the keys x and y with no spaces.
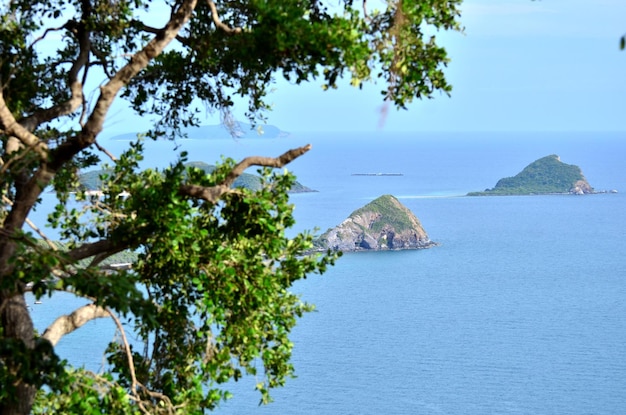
{"x":48,"y":30}
{"x":218,"y":22}
{"x":105,"y":151}
{"x":33,"y":226}
{"x":129,"y":358}
{"x":135,"y":384}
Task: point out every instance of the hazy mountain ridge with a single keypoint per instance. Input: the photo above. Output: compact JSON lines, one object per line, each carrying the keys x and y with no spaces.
{"x":220,"y":131}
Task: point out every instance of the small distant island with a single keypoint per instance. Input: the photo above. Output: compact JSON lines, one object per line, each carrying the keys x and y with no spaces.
{"x":548,"y":175}
{"x":381,"y":225}
{"x":91,"y":180}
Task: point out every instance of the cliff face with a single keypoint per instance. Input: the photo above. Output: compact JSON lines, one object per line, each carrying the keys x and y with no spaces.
{"x":383,"y":224}
{"x":581,"y":187}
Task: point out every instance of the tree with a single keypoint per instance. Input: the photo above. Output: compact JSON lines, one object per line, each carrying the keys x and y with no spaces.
{"x":209,"y":292}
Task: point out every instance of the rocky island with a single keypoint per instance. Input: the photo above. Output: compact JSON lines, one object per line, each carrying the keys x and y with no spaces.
{"x":383,"y":224}
{"x":548,"y":175}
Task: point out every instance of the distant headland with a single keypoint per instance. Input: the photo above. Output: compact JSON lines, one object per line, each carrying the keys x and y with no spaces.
{"x":547,"y":175}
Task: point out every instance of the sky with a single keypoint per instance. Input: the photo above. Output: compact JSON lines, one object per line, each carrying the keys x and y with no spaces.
{"x":520,"y":65}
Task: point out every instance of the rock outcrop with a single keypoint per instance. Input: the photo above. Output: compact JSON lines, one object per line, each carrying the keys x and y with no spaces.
{"x":383,"y":224}
{"x":581,"y":187}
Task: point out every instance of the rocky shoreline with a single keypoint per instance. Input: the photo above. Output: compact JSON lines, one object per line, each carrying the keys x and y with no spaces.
{"x":384,"y":224}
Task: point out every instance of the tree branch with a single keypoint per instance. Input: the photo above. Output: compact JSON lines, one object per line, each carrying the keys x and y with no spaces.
{"x":212,"y":194}
{"x":135,"y":385}
{"x":103,"y":248}
{"x":30,"y":191}
{"x":68,"y":323}
{"x":14,"y":129}
{"x":75,"y":86}
{"x":149,"y":29}
{"x":68,"y":149}
{"x":45,"y":33}
{"x":218,"y":22}
{"x":105,"y":151}
{"x":33,"y":227}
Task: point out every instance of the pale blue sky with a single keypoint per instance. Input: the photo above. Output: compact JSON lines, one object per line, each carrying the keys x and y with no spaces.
{"x":520,"y":65}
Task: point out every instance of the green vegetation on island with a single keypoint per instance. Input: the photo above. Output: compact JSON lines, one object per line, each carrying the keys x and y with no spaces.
{"x":548,"y":175}
{"x":382,"y":224}
{"x":394,"y":213}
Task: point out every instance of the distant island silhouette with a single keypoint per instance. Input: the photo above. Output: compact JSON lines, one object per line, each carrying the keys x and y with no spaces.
{"x":220,"y":131}
{"x":547,"y":175}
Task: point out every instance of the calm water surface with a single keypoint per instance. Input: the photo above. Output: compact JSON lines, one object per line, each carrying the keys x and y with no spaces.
{"x":520,"y":310}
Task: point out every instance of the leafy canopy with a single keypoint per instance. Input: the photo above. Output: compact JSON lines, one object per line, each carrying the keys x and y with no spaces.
{"x":209,"y":293}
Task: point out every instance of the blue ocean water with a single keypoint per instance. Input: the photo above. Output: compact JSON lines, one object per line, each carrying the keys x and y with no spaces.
{"x":520,"y":310}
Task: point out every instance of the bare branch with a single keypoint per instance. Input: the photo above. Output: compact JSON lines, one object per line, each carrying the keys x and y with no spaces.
{"x":13,"y":145}
{"x":212,"y":194}
{"x":109,"y":91}
{"x":75,"y":86}
{"x":104,"y":247}
{"x":49,"y":114}
{"x":63,"y":153}
{"x":149,"y":29}
{"x":68,"y":323}
{"x":105,"y":151}
{"x":218,"y":22}
{"x":14,"y":129}
{"x":45,"y":33}
{"x":102,"y":62}
{"x":129,"y":354}
{"x":135,"y":385}
{"x":277,"y":162}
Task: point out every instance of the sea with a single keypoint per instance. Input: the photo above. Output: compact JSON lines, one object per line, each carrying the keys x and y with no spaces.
{"x":520,"y":309}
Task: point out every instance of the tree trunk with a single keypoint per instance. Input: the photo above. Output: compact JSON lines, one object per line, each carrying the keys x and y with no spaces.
{"x":17,"y":324}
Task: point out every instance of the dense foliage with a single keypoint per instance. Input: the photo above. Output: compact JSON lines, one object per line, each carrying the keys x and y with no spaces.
{"x":209,"y":294}
{"x":91,"y":180}
{"x":546,"y":175}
